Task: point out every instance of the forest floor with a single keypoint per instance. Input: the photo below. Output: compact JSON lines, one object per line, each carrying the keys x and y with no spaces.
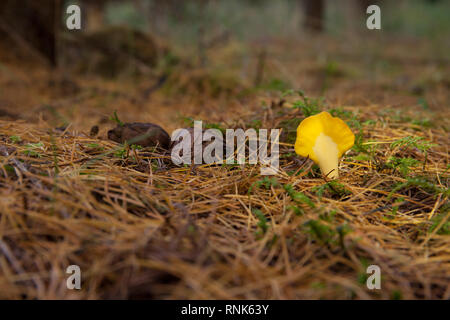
{"x":140,"y":227}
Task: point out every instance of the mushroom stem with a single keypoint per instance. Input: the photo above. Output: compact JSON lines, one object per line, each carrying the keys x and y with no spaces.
{"x":326,"y":151}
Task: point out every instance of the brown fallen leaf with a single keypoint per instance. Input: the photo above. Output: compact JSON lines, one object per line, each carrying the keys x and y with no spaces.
{"x":143,"y":134}
{"x":177,"y":139}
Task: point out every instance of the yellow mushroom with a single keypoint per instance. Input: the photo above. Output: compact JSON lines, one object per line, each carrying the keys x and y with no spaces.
{"x":324,"y":139}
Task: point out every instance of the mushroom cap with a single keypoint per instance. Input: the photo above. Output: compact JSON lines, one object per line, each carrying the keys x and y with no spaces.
{"x":310,"y":128}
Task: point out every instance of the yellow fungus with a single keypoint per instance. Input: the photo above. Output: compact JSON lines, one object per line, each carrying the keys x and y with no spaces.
{"x":324,"y":139}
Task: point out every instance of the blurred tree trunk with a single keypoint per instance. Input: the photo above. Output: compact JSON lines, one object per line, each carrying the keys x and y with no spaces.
{"x":32,"y":25}
{"x":313,"y":13}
